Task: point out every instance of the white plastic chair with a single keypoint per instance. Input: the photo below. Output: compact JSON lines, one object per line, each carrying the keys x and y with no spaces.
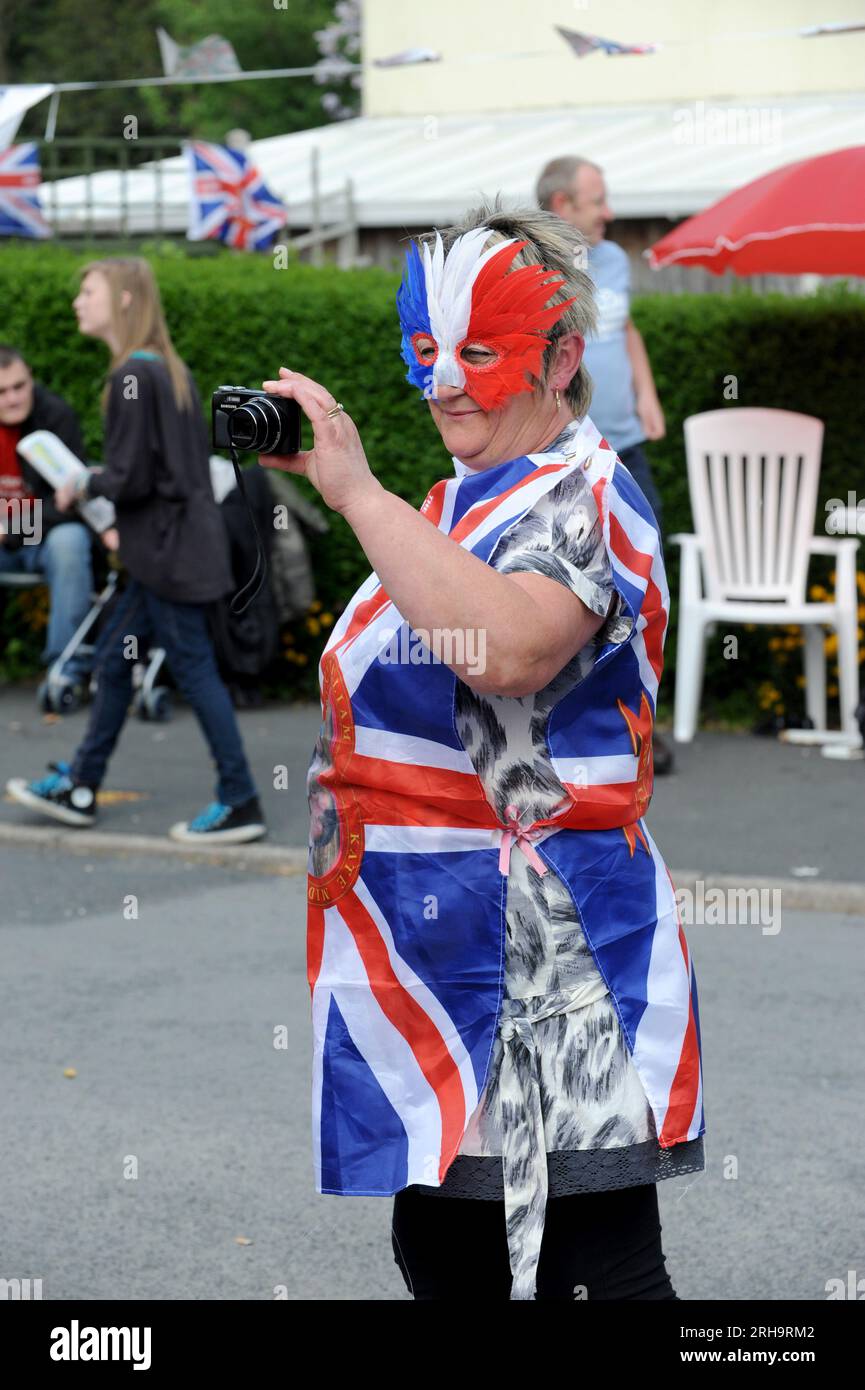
{"x":753,"y":476}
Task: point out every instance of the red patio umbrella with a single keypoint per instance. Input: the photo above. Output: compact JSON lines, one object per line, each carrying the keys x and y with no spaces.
{"x":804,"y":217}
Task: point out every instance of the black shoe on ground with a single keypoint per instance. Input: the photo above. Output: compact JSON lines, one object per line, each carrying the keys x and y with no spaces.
{"x":246,"y":696}
{"x":662,"y":755}
{"x":221,"y":824}
{"x":56,"y":796}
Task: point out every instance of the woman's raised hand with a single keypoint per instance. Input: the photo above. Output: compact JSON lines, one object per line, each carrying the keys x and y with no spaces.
{"x":336,"y":465}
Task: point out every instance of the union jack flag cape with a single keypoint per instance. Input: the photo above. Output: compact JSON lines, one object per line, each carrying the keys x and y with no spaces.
{"x":406,"y":900}
{"x":229,"y":199}
{"x":20,"y":177}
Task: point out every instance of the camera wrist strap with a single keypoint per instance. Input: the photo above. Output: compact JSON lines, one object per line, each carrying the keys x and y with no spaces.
{"x":260,"y":571}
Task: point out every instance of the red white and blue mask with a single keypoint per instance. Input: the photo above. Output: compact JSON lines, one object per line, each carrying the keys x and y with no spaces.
{"x":469,"y":321}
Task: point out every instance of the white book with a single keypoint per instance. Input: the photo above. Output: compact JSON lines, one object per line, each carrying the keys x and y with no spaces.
{"x":57,"y":464}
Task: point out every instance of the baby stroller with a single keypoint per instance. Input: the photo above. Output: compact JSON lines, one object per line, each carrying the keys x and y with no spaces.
{"x":61,"y":693}
{"x":244,"y":643}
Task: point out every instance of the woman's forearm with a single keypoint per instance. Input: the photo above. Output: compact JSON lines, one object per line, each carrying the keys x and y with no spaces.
{"x":506,"y":634}
{"x":439,"y":586}
{"x":641,"y":367}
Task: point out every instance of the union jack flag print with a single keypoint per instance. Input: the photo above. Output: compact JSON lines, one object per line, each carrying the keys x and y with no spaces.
{"x":406,"y":895}
{"x":20,"y":177}
{"x":229,"y":199}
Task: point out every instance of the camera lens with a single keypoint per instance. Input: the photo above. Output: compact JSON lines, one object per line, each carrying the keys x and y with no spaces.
{"x":255,"y":425}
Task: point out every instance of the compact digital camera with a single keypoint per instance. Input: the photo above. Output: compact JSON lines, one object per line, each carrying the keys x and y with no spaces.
{"x":255,"y":421}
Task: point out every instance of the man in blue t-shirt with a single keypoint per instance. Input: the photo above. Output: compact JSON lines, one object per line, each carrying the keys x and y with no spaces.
{"x":625,"y":405}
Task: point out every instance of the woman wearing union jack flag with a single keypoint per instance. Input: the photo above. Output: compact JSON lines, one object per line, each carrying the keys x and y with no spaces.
{"x":504,"y":1007}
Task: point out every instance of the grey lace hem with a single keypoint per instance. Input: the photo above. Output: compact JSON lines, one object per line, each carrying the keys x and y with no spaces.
{"x":575,"y":1170}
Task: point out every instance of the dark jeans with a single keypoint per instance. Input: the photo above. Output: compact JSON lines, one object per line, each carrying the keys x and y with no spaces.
{"x":181,"y":628}
{"x":64,"y":557}
{"x":607,"y":1242}
{"x":634,"y":459}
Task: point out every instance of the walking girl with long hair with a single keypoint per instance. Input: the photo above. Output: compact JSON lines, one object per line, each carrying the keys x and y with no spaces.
{"x":173,"y":546}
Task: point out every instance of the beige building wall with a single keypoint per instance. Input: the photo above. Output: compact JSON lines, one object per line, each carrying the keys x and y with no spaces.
{"x":538,"y":70}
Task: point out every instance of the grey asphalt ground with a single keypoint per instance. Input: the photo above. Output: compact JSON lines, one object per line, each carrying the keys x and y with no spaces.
{"x":186,"y":1128}
{"x":169,"y":1021}
{"x":735,"y":804}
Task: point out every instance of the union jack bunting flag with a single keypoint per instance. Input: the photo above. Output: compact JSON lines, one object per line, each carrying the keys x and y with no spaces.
{"x":406,"y":893}
{"x":591,"y":43}
{"x":229,"y":199}
{"x":20,"y":177}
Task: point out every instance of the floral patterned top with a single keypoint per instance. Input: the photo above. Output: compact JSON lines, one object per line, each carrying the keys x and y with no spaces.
{"x":587,"y":1124}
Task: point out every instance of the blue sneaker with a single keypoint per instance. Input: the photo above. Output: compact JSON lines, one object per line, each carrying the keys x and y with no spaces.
{"x":57,"y":796}
{"x":221,"y":824}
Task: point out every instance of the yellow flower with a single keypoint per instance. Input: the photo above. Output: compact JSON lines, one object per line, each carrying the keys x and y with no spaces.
{"x":831,"y":690}
{"x":315,"y":606}
{"x":818,"y":592}
{"x":327,"y":618}
{"x":33,"y":607}
{"x":313,"y":626}
{"x":800,"y":681}
{"x":830,"y":644}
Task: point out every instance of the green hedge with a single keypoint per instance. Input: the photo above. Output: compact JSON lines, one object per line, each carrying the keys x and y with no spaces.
{"x":237,"y":319}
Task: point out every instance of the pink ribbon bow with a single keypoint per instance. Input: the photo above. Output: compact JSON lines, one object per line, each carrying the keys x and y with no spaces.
{"x":515,"y":834}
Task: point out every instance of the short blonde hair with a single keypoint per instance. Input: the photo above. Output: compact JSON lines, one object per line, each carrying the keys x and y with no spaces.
{"x":560,"y":247}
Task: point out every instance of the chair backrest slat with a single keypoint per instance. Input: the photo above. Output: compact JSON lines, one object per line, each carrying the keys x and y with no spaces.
{"x":770,"y":516}
{"x":736,"y":491}
{"x":718,"y":473}
{"x":789,"y":494}
{"x":753,"y":476}
{"x":754,"y":516}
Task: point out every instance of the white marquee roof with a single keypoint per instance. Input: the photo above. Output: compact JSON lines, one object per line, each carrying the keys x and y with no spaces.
{"x":666,"y":160}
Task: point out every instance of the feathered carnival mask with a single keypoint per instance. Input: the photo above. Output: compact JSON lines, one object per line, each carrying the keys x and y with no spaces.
{"x":468,"y":304}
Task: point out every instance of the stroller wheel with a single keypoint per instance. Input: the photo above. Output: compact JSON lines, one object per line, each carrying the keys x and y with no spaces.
{"x":158,"y":704}
{"x":59,"y":697}
{"x":67,"y":698}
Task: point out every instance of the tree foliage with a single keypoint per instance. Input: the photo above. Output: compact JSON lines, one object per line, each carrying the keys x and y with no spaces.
{"x":65,"y":41}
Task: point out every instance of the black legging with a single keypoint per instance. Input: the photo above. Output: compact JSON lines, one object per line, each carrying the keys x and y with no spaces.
{"x":608,"y":1243}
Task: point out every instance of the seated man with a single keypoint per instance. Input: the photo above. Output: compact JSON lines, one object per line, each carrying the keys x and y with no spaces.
{"x":34,"y":536}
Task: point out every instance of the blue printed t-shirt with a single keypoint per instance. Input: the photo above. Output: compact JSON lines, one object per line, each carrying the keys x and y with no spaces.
{"x":613,"y":405}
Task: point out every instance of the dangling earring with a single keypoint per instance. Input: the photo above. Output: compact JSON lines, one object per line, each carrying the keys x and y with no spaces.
{"x":558,"y":401}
